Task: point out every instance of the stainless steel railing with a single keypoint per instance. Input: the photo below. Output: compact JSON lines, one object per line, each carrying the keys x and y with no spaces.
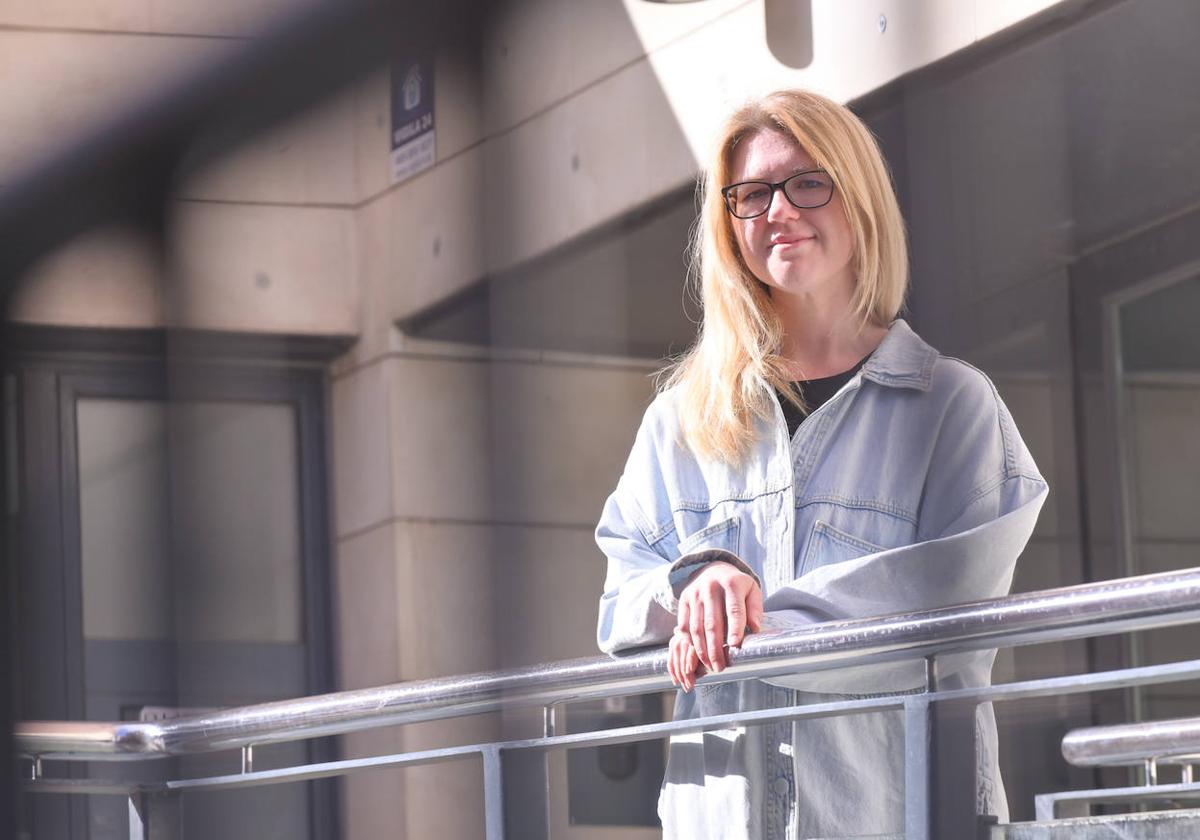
{"x":1070,"y":612}
{"x":1149,"y":744}
{"x":1163,"y":741}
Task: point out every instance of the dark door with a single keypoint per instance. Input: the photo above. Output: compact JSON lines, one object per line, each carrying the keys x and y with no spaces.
{"x":174,"y":556}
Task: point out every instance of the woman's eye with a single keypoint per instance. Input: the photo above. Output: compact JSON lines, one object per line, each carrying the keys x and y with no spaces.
{"x":814,"y":182}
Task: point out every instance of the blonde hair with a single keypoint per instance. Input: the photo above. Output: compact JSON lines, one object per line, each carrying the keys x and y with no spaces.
{"x":724,"y":380}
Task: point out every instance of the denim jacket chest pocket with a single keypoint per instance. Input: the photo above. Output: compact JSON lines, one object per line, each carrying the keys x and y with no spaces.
{"x":827,"y":545}
{"x":840,"y":532}
{"x":723,"y":533}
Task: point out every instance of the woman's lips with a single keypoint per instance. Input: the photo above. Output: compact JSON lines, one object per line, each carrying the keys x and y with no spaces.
{"x":788,"y":241}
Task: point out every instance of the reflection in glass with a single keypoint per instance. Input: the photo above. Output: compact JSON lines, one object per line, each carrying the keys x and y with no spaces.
{"x":1156,"y":375}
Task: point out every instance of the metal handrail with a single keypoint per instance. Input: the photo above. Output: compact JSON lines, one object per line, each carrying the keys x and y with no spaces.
{"x":1162,"y":741}
{"x":1114,"y":606}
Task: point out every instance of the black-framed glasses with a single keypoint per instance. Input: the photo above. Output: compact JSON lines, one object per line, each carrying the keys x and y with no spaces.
{"x":805,"y":190}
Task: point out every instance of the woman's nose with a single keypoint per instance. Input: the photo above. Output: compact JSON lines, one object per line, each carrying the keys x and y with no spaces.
{"x":780,"y":207}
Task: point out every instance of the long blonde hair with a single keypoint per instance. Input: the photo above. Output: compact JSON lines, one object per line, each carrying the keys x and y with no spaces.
{"x":724,"y":380}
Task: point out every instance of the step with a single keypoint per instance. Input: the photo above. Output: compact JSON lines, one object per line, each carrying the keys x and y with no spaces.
{"x":1159,"y":825}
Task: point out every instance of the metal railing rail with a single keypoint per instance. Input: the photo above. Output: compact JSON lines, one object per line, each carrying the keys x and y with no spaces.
{"x":918,"y":711}
{"x":1148,"y":744}
{"x":1174,"y":741}
{"x":1050,"y":615}
{"x":939,"y":724}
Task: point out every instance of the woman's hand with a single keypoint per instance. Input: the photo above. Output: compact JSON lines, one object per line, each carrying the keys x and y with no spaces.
{"x":716,"y":608}
{"x":682,"y":663}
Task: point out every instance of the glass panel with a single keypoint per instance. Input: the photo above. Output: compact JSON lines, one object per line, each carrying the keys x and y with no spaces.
{"x":235,"y":500}
{"x":1158,"y":387}
{"x":234,"y":492}
{"x":123,"y":516}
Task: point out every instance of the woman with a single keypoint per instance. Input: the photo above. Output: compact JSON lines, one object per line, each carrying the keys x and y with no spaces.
{"x":809,"y":459}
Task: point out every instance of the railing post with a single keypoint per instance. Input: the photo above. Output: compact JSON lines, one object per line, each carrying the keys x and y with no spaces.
{"x":493,"y":795}
{"x":137,"y":815}
{"x":916,"y":768}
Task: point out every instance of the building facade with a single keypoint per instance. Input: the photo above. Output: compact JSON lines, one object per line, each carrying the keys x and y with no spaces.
{"x":354,"y":427}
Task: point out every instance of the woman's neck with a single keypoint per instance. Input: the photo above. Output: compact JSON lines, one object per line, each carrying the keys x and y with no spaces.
{"x":817,"y":345}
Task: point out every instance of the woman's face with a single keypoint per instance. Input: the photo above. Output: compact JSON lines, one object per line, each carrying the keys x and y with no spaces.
{"x":804,"y":252}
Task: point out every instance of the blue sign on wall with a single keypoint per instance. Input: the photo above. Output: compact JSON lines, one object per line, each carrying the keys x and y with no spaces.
{"x":413,"y":146}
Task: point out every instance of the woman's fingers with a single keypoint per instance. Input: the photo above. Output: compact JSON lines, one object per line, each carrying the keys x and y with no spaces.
{"x":714,"y":627}
{"x":754,"y":609}
{"x":735,"y":609}
{"x":690,"y":663}
{"x":682,"y":662}
{"x":684,"y":620}
{"x":696,"y":621}
{"x":745,"y":609}
{"x":672,"y":659}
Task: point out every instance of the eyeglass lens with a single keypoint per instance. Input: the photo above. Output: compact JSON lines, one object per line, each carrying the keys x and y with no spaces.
{"x":803,"y":190}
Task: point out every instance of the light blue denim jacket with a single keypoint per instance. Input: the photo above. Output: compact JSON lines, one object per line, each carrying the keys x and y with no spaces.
{"x":909,"y":489}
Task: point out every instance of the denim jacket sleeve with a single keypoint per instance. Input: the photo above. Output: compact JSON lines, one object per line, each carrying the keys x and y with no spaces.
{"x":638,"y":605}
{"x":646,"y":574}
{"x":984,"y":495}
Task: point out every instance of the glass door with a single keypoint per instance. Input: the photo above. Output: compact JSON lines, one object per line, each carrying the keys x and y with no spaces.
{"x":1135,"y":304}
{"x":1153,"y":363}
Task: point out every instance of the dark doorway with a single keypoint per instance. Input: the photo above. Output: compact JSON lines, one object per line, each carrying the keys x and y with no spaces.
{"x":172,"y":552}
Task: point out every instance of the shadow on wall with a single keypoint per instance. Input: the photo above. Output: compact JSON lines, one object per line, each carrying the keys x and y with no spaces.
{"x":586,"y":196}
{"x":618,"y":290}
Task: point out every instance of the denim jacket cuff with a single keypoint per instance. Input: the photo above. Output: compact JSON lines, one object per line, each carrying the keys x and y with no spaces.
{"x":687,"y":565}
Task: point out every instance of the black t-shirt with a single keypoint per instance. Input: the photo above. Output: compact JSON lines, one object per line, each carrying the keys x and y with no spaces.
{"x":816,"y":392}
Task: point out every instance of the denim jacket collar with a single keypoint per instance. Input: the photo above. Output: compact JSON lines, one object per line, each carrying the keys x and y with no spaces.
{"x":902,"y":359}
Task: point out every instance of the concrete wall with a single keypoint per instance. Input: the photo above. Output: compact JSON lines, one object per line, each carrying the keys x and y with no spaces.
{"x":614,"y":101}
{"x":263,"y":241}
{"x":470,"y":546}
